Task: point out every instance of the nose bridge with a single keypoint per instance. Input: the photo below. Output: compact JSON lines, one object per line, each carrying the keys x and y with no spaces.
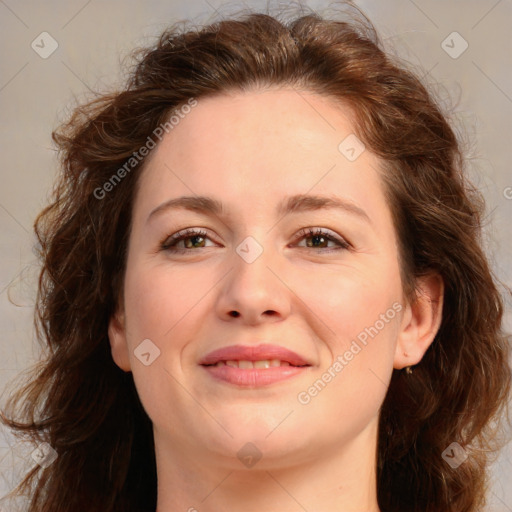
{"x":251,"y":288}
{"x":251,"y":265}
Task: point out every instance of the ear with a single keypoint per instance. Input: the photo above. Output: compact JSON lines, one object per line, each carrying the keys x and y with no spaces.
{"x":118,"y":342}
{"x":420,"y":322}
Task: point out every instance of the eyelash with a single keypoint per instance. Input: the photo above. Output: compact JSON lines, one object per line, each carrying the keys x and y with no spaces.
{"x":168,"y":244}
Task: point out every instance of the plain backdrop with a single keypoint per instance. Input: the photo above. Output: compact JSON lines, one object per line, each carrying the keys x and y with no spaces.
{"x":37,"y":91}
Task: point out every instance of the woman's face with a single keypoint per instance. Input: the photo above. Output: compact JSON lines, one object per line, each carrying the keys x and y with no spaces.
{"x":255,"y":276}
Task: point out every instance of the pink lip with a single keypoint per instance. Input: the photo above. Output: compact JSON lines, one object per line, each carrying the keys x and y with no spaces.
{"x":258,"y":353}
{"x":253,"y":377}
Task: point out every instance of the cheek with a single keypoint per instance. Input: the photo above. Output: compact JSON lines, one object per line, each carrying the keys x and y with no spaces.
{"x":349,"y":389}
{"x":349,"y":300}
{"x":156,"y":308}
{"x":362,"y":313}
{"x":348,"y":402}
{"x":163,"y":306}
{"x":157,"y":299}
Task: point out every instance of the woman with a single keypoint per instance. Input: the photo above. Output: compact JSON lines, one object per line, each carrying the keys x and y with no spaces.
{"x":263,"y":287}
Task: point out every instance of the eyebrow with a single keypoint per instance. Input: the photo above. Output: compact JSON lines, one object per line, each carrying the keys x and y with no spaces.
{"x":293,"y":204}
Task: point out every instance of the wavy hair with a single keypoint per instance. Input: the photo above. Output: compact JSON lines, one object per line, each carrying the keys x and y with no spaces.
{"x":88,"y":409}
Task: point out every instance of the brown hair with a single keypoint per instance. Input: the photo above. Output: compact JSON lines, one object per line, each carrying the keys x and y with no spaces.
{"x":88,"y":410}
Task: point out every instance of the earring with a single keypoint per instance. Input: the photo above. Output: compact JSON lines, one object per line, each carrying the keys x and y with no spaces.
{"x":408,"y":370}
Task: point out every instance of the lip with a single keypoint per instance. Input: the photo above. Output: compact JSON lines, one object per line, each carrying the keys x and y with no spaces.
{"x":254,"y":377}
{"x":253,"y":353}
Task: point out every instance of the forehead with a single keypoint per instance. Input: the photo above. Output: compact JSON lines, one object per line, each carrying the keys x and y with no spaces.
{"x":275,"y":124}
{"x":254,"y":147}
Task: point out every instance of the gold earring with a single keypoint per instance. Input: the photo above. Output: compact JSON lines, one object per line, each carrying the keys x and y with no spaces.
{"x":408,"y":370}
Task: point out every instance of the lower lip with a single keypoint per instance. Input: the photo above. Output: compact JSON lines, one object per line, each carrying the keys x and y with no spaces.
{"x":254,"y":377}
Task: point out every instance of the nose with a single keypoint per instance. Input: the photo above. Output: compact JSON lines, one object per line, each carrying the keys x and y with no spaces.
{"x":254,"y":291}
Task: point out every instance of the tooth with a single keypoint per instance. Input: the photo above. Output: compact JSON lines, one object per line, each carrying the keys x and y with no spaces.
{"x":262,"y":364}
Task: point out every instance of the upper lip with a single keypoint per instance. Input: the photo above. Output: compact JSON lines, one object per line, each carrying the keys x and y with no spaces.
{"x":253,"y":353}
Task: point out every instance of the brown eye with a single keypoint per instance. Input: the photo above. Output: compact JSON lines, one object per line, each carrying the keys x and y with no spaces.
{"x":191,"y":238}
{"x":320,"y":238}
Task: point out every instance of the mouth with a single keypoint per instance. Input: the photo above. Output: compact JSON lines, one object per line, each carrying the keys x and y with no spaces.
{"x":246,"y":366}
{"x":259,"y":364}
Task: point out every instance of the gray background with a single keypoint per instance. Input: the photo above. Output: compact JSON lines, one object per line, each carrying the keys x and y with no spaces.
{"x":93,"y":36}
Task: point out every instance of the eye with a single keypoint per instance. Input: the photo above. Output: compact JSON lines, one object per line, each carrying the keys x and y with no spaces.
{"x":196,"y":239}
{"x":192,"y":239}
{"x":319,"y":238}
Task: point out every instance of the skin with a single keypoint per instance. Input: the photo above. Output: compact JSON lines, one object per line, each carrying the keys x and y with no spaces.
{"x":250,"y":150}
